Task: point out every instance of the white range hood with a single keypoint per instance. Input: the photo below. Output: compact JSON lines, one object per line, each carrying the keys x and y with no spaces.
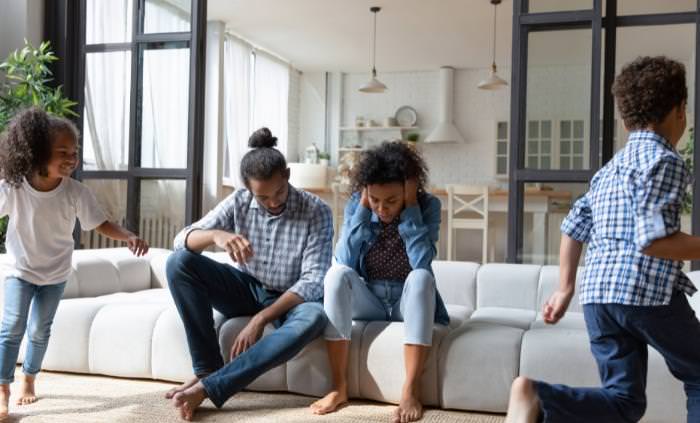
{"x":445,"y":130}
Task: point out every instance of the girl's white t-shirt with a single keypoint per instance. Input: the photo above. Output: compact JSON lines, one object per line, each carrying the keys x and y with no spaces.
{"x":39,"y":239}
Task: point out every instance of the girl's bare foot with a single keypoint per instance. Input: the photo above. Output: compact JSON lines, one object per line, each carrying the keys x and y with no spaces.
{"x":171,"y":393}
{"x":26,"y":393}
{"x":410,"y":408}
{"x":523,"y":407}
{"x":330,"y":402}
{"x":188,"y":400}
{"x":4,"y":401}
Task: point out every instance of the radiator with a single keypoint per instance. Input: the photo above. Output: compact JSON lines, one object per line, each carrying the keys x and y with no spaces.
{"x":158,"y":231}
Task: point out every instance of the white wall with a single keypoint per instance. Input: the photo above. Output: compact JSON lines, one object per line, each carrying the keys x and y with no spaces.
{"x":312,"y":112}
{"x":20,"y":19}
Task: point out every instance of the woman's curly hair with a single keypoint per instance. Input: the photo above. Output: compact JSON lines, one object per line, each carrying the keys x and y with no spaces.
{"x":387,"y":163}
{"x":648,"y":88}
{"x":25,"y":145}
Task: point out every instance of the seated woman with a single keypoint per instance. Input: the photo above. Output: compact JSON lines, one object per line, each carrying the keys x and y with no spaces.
{"x":383,"y":268}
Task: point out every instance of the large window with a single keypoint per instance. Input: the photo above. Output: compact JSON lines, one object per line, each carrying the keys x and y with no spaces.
{"x":139,"y":114}
{"x":565,"y":58}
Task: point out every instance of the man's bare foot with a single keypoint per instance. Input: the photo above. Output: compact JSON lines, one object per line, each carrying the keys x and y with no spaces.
{"x":4,"y":401}
{"x":171,"y":393}
{"x":188,"y":400}
{"x":410,"y":408}
{"x":523,"y":407}
{"x":26,"y":393}
{"x":331,"y":402}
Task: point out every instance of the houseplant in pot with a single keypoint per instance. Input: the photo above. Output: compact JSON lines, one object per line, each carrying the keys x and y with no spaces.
{"x":25,"y":81}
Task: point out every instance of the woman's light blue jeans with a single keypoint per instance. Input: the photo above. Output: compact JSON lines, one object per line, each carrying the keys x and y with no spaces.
{"x":348,"y":297}
{"x":19,"y":295}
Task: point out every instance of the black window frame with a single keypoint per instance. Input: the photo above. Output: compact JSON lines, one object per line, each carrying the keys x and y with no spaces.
{"x":65,"y":23}
{"x":523,"y":24}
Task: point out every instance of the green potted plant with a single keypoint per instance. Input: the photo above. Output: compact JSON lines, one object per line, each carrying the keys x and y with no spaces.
{"x":687,"y":153}
{"x":324,"y":158}
{"x":412,"y":137}
{"x":24,"y":82}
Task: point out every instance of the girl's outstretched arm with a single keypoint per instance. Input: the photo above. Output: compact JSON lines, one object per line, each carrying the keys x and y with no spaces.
{"x":136,"y":245}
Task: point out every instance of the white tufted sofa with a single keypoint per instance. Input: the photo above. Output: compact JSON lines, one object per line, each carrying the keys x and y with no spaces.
{"x":117,"y":318}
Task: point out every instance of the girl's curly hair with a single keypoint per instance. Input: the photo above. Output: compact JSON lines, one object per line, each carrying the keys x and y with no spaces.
{"x":387,"y":163}
{"x":25,"y":145}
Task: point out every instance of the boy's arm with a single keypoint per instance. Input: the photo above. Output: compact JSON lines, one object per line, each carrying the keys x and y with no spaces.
{"x":679,"y":246}
{"x":569,"y":255}
{"x":576,"y":230}
{"x":137,"y":245}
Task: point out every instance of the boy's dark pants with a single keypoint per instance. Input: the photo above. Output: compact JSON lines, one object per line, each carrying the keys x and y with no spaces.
{"x":619,"y":335}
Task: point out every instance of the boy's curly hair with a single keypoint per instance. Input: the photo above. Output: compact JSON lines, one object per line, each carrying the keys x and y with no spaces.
{"x":25,"y":145}
{"x":387,"y":163}
{"x":648,"y":88}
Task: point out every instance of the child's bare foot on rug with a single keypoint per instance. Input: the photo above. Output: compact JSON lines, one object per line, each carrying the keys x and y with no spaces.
{"x":171,"y":393}
{"x":26,"y":392}
{"x":4,"y":401}
{"x":410,"y":408}
{"x":331,"y":402}
{"x":188,"y":400}
{"x":523,"y":407}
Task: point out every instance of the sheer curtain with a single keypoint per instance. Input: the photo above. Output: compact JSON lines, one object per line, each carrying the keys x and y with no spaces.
{"x":237,"y":91}
{"x":106,"y":113}
{"x":271,"y":97}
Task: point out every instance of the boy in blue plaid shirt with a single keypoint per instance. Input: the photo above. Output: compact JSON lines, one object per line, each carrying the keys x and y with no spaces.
{"x":633,"y":290}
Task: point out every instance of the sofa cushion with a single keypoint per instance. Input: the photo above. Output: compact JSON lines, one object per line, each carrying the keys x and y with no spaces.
{"x":478,"y":362}
{"x":515,"y":317}
{"x":121,"y":339}
{"x":507,"y":285}
{"x":559,"y":356}
{"x":456,"y":282}
{"x":458,"y":314}
{"x":381,"y":366}
{"x":170,"y":355}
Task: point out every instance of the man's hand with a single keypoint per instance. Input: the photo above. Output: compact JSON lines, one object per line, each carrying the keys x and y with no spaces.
{"x":250,"y":334}
{"x":555,"y":308}
{"x":137,"y":245}
{"x":237,"y":247}
{"x":410,"y":191}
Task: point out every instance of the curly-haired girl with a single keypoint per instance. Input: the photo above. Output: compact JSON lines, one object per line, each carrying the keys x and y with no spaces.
{"x":38,"y":153}
{"x":383,"y":268}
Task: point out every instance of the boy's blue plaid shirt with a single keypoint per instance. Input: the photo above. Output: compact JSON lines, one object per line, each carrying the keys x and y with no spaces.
{"x":633,"y":200}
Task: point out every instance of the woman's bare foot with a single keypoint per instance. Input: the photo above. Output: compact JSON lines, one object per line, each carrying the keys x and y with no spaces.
{"x":26,"y":393}
{"x":523,"y":407}
{"x":171,"y":393}
{"x":188,"y":400}
{"x":410,"y":408}
{"x":4,"y":401}
{"x":331,"y":402}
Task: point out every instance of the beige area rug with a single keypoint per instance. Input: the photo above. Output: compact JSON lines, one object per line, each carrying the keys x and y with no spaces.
{"x":82,"y":398}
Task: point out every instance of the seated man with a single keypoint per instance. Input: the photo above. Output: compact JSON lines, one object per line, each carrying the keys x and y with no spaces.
{"x":281,"y":241}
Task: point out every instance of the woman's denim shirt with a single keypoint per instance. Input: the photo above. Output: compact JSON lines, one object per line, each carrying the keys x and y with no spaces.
{"x":419,"y":228}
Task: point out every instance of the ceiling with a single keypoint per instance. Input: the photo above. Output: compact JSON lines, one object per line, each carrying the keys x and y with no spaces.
{"x":334,"y":35}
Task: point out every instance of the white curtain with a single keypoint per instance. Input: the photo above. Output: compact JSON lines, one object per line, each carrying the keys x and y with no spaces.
{"x":237,"y":91}
{"x":106,"y":114}
{"x":271,"y":97}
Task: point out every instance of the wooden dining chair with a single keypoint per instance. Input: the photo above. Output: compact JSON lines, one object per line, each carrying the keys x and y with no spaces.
{"x":467,"y":208}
